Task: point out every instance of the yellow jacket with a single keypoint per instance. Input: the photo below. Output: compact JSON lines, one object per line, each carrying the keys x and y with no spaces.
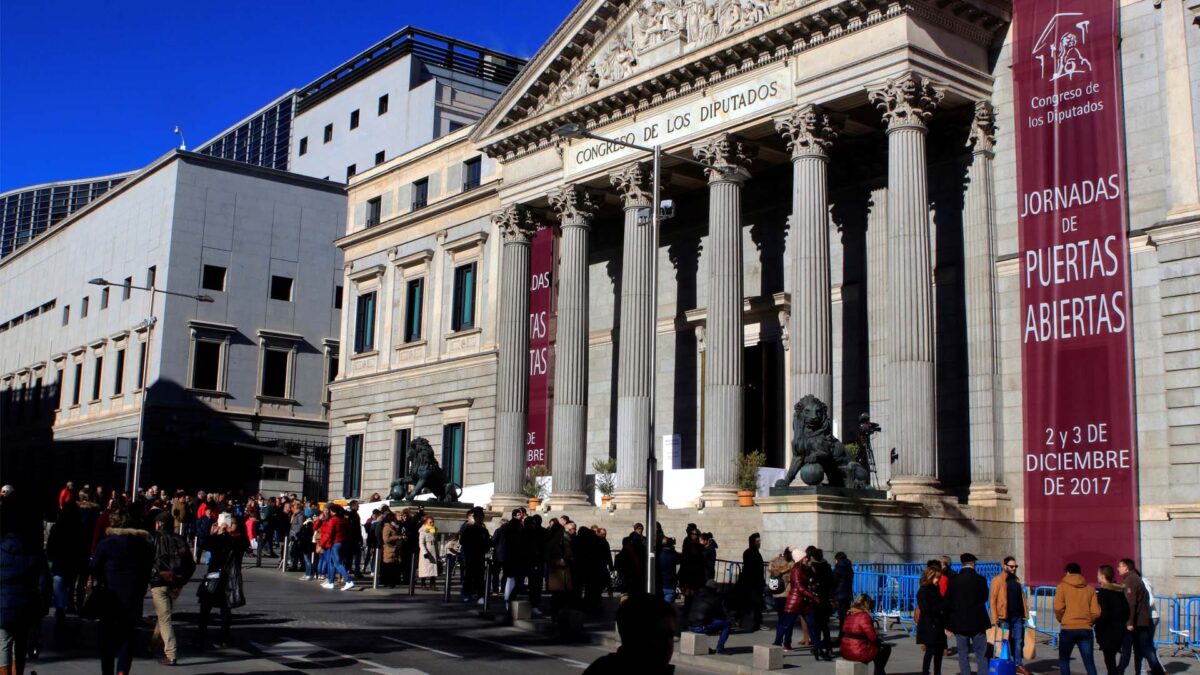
{"x":998,"y":602}
{"x":1075,"y":604}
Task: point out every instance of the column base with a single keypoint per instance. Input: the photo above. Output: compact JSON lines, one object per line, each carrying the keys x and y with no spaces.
{"x":505,"y":503}
{"x":629,"y":499}
{"x":718,"y":496}
{"x":915,"y":488}
{"x":562,"y":500}
{"x":989,"y":494}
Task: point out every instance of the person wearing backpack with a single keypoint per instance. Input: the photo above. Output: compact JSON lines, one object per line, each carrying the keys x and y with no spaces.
{"x":173,"y":567}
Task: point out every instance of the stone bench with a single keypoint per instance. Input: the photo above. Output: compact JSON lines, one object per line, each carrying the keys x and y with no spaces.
{"x":693,"y":644}
{"x":768,"y":657}
{"x":844,"y":667}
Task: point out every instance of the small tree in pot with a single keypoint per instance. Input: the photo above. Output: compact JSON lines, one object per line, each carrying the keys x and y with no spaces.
{"x":606,"y":469}
{"x":533,"y":489}
{"x":747,"y":468}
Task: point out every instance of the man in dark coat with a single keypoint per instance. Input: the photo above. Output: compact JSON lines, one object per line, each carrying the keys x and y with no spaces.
{"x":509,"y":553}
{"x":751,"y":581}
{"x":843,"y":587}
{"x":707,"y":614}
{"x":1111,"y":633}
{"x":122,"y":565}
{"x":966,"y":603}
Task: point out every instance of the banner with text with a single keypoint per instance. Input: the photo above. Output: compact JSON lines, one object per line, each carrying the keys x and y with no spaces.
{"x":541,"y":311}
{"x":1081,"y":502}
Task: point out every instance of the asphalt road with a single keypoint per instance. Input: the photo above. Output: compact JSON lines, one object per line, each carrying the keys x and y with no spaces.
{"x":290,"y":626}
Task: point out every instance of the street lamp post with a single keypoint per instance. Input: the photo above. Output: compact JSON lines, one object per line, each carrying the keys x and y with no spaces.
{"x":150,"y":321}
{"x":656,"y":152}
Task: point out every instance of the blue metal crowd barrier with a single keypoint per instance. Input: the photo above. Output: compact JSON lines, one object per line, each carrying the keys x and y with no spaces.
{"x":1041,"y":612}
{"x":1186,"y":626}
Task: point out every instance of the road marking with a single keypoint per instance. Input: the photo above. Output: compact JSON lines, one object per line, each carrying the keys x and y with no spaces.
{"x":295,"y":650}
{"x":428,"y":649}
{"x":525,"y":650}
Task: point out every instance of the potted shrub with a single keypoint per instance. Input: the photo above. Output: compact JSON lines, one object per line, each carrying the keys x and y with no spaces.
{"x":606,"y":469}
{"x":747,"y":468}
{"x":532,"y":488}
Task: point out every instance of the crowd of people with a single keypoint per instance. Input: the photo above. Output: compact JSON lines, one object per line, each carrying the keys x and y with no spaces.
{"x":105,"y":551}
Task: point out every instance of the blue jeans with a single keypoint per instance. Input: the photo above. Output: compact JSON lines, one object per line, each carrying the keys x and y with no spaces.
{"x":1067,"y":640}
{"x":971,"y":643}
{"x":723,"y":625}
{"x":669,"y":594}
{"x":1016,"y":638}
{"x":62,"y":585}
{"x":336,"y":565}
{"x":783,"y":630}
{"x":1142,"y":643}
{"x":308,"y":564}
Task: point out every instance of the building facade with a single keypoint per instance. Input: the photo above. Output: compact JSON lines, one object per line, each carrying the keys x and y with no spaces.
{"x":236,"y":386}
{"x":27,"y":212}
{"x":844,"y":226}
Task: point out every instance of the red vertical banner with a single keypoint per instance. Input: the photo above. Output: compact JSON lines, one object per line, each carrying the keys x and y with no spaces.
{"x":541,"y":312}
{"x":1080,"y":461}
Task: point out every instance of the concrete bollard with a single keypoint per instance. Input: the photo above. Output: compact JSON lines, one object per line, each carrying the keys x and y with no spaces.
{"x":693,"y":644}
{"x":521,"y":610}
{"x":844,"y":667}
{"x":768,"y":657}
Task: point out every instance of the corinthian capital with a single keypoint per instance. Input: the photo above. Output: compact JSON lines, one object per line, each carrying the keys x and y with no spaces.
{"x":515,"y":223}
{"x":633,"y":182}
{"x":726,"y":156}
{"x":907,"y":100}
{"x":574,"y":205}
{"x":983,"y":128}
{"x":808,"y":130}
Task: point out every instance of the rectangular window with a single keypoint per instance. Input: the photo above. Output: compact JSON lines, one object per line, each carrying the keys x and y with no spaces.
{"x":352,"y":469}
{"x":119,"y":374}
{"x":83,"y":307}
{"x":104,"y":298}
{"x":472,"y":173}
{"x":151,"y":276}
{"x":304,"y":146}
{"x":338,"y":291}
{"x":364,"y":323}
{"x":77,"y":385}
{"x":66,"y":314}
{"x":213,"y":278}
{"x":400,"y":452}
{"x":141,"y":366}
{"x":354,"y":119}
{"x":275,"y":373}
{"x":420,"y":193}
{"x":281,"y":288}
{"x":127,"y":288}
{"x":452,"y":451}
{"x":414,"y":300}
{"x":333,"y":367}
{"x":463,"y":312}
{"x":383,"y":104}
{"x":350,"y":171}
{"x":206,"y":365}
{"x":328,"y":132}
{"x":374,"y":211}
{"x":59,"y":384}
{"x":97,"y":377}
{"x":275,"y":473}
{"x":379,"y":157}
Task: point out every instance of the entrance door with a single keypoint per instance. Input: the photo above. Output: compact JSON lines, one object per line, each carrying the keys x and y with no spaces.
{"x":765,"y":407}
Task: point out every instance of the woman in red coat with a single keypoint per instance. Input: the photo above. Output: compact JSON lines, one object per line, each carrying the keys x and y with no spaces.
{"x":800,"y":601}
{"x":860,"y":642}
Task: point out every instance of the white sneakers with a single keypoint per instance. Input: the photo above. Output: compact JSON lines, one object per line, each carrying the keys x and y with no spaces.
{"x":327,"y":584}
{"x":347,"y":586}
{"x":305,"y":577}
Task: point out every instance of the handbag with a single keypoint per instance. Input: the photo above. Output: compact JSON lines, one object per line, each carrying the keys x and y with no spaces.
{"x":99,"y":602}
{"x":1003,"y":664}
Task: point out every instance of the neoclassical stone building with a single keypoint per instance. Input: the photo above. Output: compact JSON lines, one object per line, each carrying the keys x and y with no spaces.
{"x":844,"y":225}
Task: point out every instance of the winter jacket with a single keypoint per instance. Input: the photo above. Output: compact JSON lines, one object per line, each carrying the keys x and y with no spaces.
{"x":1075,"y":603}
{"x":24,"y":583}
{"x":353,"y":539}
{"x":799,"y":598}
{"x":66,"y":547}
{"x":998,"y":598}
{"x":625,"y":661}
{"x":821,"y":581}
{"x":668,"y":564}
{"x":391,"y":543}
{"x":692,"y":573}
{"x":780,"y":567}
{"x":1114,"y":613}
{"x":966,"y":603}
{"x":333,"y":531}
{"x":843,"y":580}
{"x":122,"y":563}
{"x":427,"y":566}
{"x":509,"y":542}
{"x":860,"y":642}
{"x":1138,"y":599}
{"x":706,"y":607}
{"x":226,"y":559}
{"x":751,"y":577}
{"x":931,"y":629}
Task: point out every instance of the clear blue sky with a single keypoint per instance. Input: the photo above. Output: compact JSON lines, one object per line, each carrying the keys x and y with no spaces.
{"x":92,"y":88}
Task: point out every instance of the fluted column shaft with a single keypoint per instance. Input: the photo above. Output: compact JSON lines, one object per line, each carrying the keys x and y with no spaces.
{"x":723,"y":374}
{"x":979,"y":266}
{"x":569,"y":439}
{"x":636,"y":334}
{"x":512,"y":376}
{"x":908,"y":102}
{"x":809,"y":133}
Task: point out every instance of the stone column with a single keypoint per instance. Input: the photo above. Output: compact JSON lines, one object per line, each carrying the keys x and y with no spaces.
{"x":907,"y":102}
{"x":987,"y":476}
{"x":512,"y":376}
{"x":575,"y":208}
{"x":727,"y":158}
{"x":634,"y":339}
{"x":809,"y":132}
